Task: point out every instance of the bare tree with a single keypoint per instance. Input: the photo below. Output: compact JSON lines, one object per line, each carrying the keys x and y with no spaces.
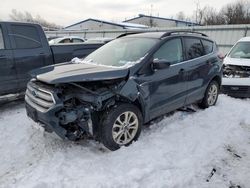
{"x":181,"y":16}
{"x":237,"y":13}
{"x":233,"y":13}
{"x":27,"y":17}
{"x":211,"y":16}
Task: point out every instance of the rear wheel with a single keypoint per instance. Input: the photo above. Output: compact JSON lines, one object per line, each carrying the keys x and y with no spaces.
{"x":211,"y":95}
{"x":121,"y":126}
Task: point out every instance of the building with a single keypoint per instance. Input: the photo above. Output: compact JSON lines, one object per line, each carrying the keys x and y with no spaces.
{"x":153,"y":21}
{"x":95,"y":24}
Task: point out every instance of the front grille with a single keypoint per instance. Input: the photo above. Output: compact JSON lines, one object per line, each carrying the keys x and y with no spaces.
{"x":39,"y":96}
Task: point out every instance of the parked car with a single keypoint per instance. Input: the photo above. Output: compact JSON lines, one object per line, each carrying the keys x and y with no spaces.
{"x":236,"y":71}
{"x":67,"y":40}
{"x":23,"y":47}
{"x":49,"y":38}
{"x":131,"y":80}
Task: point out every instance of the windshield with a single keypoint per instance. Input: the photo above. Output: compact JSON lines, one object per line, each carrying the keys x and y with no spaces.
{"x":121,"y":52}
{"x":240,"y":50}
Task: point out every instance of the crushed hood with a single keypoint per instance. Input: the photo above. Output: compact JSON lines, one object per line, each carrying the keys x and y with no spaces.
{"x":236,"y":61}
{"x":71,"y":72}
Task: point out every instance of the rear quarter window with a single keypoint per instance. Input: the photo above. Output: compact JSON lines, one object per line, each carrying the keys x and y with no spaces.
{"x":194,"y":48}
{"x":77,"y":40}
{"x":208,"y":46}
{"x":25,"y":36}
{"x":65,"y":41}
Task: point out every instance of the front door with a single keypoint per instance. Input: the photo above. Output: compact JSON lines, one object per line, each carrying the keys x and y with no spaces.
{"x":8,"y":81}
{"x":167,"y":87}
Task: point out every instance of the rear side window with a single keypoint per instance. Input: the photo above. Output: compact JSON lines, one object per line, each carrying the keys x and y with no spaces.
{"x":25,"y":36}
{"x":65,"y":41}
{"x":170,"y":51}
{"x":77,"y":41}
{"x":194,"y":48}
{"x":1,"y":39}
{"x":208,"y":46}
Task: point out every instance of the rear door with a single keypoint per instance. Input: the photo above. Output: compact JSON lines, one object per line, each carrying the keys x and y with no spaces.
{"x":8,"y":81}
{"x":30,"y":49}
{"x":199,"y":57}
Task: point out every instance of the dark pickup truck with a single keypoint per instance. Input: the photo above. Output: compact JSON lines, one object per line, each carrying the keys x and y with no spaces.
{"x":23,"y":47}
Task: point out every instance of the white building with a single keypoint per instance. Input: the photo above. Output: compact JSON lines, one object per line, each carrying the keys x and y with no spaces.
{"x":153,"y":21}
{"x":95,"y":24}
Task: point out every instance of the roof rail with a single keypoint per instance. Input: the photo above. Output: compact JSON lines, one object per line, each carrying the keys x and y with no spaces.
{"x":182,"y":31}
{"x":129,"y":33}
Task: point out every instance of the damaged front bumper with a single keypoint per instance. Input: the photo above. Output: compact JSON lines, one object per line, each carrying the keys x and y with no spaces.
{"x":44,"y":106}
{"x":236,"y":81}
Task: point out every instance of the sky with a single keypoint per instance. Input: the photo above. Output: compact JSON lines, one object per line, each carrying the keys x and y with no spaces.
{"x":66,"y":12}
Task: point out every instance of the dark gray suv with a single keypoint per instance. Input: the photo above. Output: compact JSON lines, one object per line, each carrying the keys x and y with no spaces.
{"x":119,"y":87}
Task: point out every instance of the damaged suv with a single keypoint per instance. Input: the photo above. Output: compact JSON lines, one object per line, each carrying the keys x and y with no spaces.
{"x":236,"y":71}
{"x":111,"y":93}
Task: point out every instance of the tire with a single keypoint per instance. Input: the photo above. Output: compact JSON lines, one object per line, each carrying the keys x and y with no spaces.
{"x":211,"y":95}
{"x":116,"y":131}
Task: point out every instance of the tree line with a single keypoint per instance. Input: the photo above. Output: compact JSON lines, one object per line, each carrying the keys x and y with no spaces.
{"x":232,"y":13}
{"x":28,"y":17}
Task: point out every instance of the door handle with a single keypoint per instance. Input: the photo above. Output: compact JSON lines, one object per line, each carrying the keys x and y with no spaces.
{"x":181,"y":71}
{"x":211,"y":62}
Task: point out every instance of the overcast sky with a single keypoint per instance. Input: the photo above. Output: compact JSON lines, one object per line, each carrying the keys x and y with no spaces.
{"x":66,"y":12}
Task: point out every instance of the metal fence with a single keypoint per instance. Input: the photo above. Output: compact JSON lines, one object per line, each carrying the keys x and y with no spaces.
{"x":224,"y":35}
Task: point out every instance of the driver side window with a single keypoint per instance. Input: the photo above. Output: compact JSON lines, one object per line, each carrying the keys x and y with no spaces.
{"x":171,"y":51}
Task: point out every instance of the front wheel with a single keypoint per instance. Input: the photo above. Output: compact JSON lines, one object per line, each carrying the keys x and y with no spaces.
{"x":121,"y":126}
{"x":211,"y":95}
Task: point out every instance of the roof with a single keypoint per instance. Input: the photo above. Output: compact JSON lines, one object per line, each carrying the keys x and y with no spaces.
{"x":244,"y":39}
{"x":122,"y":24}
{"x":155,"y":17}
{"x":156,"y":35}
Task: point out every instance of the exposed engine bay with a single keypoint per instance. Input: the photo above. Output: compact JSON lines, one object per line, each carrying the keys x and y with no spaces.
{"x":77,"y":107}
{"x":236,"y":71}
{"x":83,"y":103}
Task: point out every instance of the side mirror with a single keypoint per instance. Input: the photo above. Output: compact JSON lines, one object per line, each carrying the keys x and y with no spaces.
{"x":160,"y":64}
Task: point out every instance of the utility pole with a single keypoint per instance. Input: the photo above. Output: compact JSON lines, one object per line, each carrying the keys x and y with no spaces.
{"x":151,"y":19}
{"x":197,"y":3}
{"x":151,"y":9}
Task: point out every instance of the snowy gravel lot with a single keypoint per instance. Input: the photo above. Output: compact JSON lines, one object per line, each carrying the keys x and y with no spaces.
{"x":207,"y":148}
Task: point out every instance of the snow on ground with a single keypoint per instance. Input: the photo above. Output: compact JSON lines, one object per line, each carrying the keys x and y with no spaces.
{"x":182,"y":150}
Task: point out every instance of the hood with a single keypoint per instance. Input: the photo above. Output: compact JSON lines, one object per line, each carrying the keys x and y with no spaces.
{"x":71,"y":72}
{"x":236,"y":61}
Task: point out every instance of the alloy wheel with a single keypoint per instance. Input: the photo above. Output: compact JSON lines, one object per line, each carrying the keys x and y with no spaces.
{"x":212,"y":95}
{"x":125,"y":128}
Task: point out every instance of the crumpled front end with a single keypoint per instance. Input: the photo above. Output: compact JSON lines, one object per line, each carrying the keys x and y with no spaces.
{"x":72,"y":110}
{"x":44,"y":104}
{"x":236,"y":80}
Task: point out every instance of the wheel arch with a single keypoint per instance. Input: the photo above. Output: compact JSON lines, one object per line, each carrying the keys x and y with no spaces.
{"x":217,"y":78}
{"x":137,"y":102}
